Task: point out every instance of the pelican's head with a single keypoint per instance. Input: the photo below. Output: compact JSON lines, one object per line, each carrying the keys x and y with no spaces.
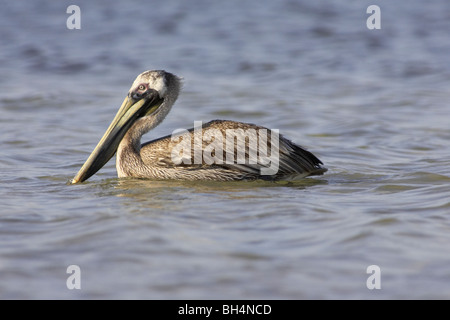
{"x":149,"y":99}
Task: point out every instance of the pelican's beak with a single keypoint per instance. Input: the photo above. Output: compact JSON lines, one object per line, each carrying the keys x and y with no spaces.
{"x":128,"y":113}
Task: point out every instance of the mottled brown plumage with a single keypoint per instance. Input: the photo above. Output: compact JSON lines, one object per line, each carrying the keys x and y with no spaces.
{"x":154,"y":159}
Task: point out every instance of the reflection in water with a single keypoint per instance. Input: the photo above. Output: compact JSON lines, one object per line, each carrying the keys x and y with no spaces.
{"x":164,"y":190}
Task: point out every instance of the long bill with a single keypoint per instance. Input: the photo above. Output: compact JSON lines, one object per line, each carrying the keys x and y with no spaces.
{"x":128,"y":113}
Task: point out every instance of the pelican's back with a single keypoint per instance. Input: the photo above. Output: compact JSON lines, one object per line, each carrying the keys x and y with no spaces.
{"x":229,"y":150}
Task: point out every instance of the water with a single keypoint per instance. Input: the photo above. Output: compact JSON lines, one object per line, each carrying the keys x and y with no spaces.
{"x":371,"y":104}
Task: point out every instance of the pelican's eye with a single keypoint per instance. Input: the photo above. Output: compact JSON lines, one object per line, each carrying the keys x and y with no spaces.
{"x":139,"y":92}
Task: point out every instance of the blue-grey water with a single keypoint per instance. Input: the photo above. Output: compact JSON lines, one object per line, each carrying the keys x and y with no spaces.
{"x":373,"y":105}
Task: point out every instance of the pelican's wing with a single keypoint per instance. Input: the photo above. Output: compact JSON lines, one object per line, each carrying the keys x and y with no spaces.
{"x":241,"y":147}
{"x":280,"y":157}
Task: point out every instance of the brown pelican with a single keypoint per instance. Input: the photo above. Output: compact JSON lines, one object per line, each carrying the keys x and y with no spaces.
{"x":148,"y":102}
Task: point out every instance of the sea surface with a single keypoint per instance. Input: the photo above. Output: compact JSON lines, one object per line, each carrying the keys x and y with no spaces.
{"x":372,"y":104}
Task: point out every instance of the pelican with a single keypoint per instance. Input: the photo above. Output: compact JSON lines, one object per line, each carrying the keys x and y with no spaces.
{"x":148,"y":102}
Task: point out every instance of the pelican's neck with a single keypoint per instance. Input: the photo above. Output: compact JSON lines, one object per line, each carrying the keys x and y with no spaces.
{"x":128,"y":156}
